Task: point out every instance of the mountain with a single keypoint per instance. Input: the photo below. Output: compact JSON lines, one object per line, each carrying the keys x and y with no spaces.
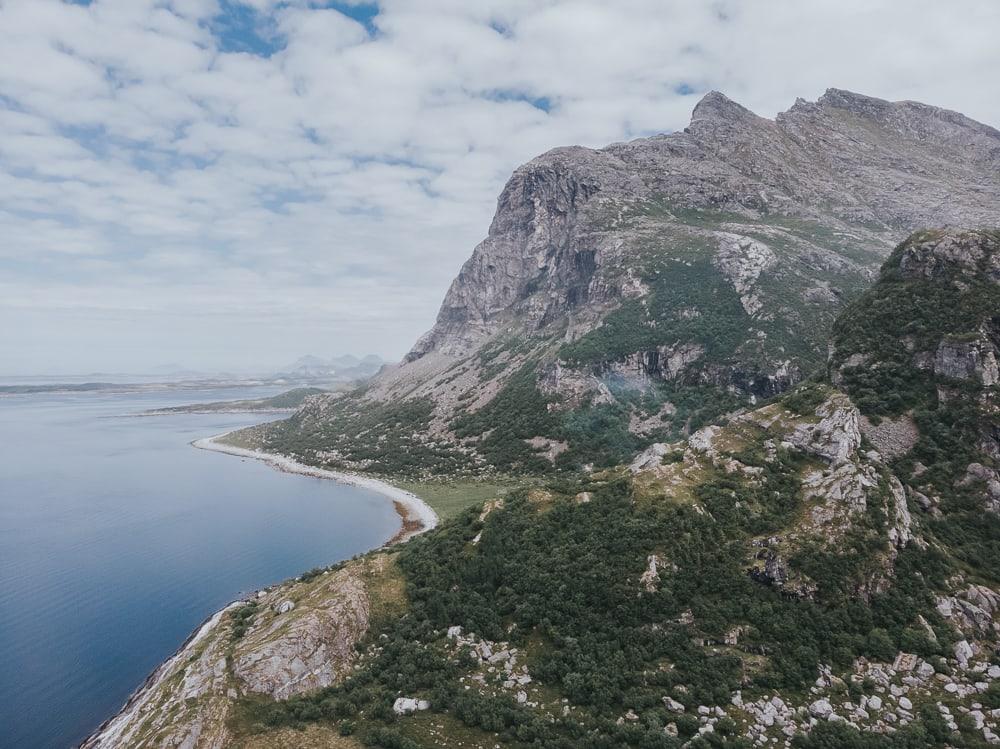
{"x":311,"y":362}
{"x":818,"y":571}
{"x":635,"y":293}
{"x":342,"y":368}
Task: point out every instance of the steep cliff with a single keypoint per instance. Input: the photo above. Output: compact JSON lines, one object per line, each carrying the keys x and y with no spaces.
{"x":637,"y":292}
{"x":291,"y":639}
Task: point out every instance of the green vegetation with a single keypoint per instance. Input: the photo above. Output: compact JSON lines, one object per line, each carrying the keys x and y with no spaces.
{"x":899,"y":317}
{"x":555,"y":570}
{"x":689,"y":301}
{"x":806,"y":398}
{"x":242,"y":618}
{"x":559,"y":580}
{"x":292,"y":398}
{"x":928,"y":731}
{"x":596,"y":434}
{"x":388,"y":438}
{"x":288,"y":400}
{"x":517,"y":413}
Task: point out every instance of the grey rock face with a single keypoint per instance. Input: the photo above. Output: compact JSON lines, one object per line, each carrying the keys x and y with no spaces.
{"x":891,"y":167}
{"x":742,"y":260}
{"x":838,"y":434}
{"x":188,"y":700}
{"x":952,"y":254}
{"x":309,"y":651}
{"x":967,"y":360}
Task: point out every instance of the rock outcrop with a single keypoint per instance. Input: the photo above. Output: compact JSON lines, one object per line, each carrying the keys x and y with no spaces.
{"x":280,"y":651}
{"x":926,"y":339}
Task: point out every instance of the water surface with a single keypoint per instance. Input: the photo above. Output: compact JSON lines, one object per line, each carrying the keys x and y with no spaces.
{"x":117,"y":538}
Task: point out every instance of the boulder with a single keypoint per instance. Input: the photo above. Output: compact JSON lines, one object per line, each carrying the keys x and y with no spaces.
{"x":963,"y":652}
{"x":821,"y":709}
{"x":673,"y":705}
{"x":407,"y":705}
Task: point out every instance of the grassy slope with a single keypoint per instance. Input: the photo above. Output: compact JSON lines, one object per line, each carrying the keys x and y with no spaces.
{"x":449,"y":498}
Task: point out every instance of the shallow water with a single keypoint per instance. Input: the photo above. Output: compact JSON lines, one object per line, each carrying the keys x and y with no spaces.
{"x":117,"y":538}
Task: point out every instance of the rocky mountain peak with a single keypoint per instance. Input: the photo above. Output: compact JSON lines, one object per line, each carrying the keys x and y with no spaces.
{"x":715,"y":107}
{"x":910,"y":166}
{"x":858,"y":103}
{"x":658,"y":284}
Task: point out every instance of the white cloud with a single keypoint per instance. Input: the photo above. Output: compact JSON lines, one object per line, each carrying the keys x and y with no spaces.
{"x":152,"y":180}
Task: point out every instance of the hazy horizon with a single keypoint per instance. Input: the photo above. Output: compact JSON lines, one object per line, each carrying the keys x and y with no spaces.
{"x":168,"y":369}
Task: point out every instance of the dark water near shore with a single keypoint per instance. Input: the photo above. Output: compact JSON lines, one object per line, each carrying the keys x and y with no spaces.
{"x":117,"y":539}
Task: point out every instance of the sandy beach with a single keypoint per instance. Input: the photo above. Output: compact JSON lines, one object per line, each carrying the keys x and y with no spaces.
{"x":416,"y":515}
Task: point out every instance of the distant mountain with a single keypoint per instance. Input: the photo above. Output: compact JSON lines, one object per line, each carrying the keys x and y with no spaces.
{"x":341,"y":368}
{"x":635,"y":293}
{"x":306,"y":362}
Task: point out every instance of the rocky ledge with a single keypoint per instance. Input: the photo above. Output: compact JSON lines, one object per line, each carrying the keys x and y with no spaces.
{"x":285,"y":640}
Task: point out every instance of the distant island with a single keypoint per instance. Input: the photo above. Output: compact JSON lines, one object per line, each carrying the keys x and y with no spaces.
{"x":287,"y":401}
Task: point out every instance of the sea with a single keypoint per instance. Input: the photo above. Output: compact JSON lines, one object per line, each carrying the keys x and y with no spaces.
{"x":118,"y":538}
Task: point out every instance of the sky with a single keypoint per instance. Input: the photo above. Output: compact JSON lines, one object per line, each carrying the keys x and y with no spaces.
{"x":230,"y":184}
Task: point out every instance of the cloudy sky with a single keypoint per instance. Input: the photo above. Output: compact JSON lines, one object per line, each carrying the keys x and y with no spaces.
{"x":233,"y":183}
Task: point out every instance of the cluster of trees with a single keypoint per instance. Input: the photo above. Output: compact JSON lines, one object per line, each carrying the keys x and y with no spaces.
{"x":928,"y":731}
{"x":596,"y":434}
{"x":570,"y":575}
{"x":518,"y":412}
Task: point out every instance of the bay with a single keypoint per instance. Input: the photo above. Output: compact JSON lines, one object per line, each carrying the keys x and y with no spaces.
{"x":117,"y":538}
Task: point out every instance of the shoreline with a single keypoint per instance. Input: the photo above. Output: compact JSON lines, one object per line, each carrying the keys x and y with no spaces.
{"x":416,"y":516}
{"x":113,"y":726}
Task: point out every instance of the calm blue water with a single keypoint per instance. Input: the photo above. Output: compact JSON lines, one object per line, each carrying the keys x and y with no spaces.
{"x":117,"y":539}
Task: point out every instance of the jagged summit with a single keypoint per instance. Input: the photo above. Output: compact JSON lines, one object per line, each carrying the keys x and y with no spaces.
{"x":656,"y":284}
{"x":732,"y":160}
{"x":716,"y":106}
{"x":839,"y":97}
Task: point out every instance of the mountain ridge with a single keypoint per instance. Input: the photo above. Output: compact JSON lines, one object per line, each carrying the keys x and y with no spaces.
{"x":652,"y":286}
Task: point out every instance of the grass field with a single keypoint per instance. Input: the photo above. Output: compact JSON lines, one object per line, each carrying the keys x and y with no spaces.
{"x":450,"y":497}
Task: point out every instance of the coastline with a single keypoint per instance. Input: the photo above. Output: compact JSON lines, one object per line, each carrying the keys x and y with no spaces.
{"x":415,"y":515}
{"x":113,"y":727}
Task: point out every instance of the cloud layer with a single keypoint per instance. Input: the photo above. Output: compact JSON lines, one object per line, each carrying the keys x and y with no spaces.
{"x":235,"y":183}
